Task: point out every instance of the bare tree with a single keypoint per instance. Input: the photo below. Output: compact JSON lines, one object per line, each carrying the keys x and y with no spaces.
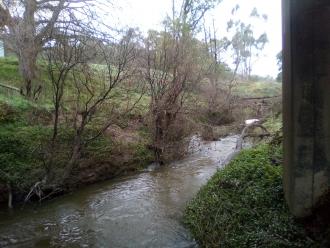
{"x":94,"y":102}
{"x":27,"y":26}
{"x":170,"y":68}
{"x":167,"y":75}
{"x":88,"y":92}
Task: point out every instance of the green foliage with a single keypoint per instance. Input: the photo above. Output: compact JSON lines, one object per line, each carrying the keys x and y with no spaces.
{"x":20,"y":163}
{"x":100,"y":148}
{"x":142,"y":155}
{"x":274,"y":124}
{"x":17,"y":102}
{"x":18,"y":110}
{"x":246,"y":45}
{"x":243,"y":206}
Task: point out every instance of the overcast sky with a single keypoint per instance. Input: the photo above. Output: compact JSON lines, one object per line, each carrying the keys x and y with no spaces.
{"x":148,"y":14}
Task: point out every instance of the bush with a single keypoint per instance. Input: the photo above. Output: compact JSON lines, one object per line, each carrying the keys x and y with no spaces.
{"x":19,"y":162}
{"x":243,"y":206}
{"x":220,"y":117}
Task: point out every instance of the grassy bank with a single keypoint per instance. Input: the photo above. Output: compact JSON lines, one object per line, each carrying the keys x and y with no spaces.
{"x":25,"y":134}
{"x":243,"y":205}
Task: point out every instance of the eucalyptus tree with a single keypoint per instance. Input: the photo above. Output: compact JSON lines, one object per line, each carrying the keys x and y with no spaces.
{"x":245,"y":43}
{"x":27,"y":25}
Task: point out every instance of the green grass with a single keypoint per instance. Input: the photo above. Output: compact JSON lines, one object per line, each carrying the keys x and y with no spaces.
{"x":24,"y":133}
{"x":243,"y":205}
{"x":9,"y":72}
{"x":258,"y":89}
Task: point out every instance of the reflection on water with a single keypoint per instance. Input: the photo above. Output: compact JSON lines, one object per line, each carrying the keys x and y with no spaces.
{"x":143,"y":210}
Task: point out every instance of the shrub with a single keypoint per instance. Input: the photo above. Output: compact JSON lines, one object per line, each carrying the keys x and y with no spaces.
{"x":19,"y":162}
{"x":7,"y":113}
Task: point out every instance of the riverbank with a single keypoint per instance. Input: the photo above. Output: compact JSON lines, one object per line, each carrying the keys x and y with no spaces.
{"x":25,"y":134}
{"x":243,"y":205}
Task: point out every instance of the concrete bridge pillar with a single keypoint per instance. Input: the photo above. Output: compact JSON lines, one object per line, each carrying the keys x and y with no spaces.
{"x":306,"y":83}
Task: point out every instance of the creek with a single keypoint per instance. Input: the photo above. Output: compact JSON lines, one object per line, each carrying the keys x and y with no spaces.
{"x":140,"y":210}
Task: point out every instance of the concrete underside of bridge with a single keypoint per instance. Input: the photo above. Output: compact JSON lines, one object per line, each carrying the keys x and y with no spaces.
{"x":306,"y":83}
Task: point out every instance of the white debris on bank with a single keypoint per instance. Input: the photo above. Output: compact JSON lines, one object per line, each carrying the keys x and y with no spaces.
{"x":251,"y":121}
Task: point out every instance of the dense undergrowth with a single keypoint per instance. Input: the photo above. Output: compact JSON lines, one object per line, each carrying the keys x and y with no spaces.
{"x":243,"y":205}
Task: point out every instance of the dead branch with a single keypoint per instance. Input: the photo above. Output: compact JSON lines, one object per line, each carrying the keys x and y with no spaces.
{"x":35,"y":190}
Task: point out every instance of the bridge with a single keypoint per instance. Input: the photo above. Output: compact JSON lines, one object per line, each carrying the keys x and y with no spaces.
{"x":306,"y":80}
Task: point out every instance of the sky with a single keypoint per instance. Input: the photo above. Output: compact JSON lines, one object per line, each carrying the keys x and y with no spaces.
{"x":149,"y":14}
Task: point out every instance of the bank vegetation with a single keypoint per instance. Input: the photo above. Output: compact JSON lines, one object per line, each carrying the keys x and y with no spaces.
{"x":82,"y":102}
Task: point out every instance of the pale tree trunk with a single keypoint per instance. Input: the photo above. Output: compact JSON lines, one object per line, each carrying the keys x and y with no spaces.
{"x":28,"y":48}
{"x":28,"y":68}
{"x":10,"y":196}
{"x":24,"y":42}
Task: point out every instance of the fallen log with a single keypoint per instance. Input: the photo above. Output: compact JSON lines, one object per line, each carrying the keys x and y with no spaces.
{"x":244,"y":134}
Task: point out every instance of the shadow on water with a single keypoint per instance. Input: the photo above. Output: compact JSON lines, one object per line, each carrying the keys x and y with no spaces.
{"x":142,"y":210}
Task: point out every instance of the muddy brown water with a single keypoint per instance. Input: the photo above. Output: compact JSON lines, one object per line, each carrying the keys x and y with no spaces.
{"x":141,"y":210}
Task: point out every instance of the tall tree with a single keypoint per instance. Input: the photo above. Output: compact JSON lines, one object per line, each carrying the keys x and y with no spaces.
{"x":193,"y":11}
{"x":170,"y":62}
{"x":245,"y":43}
{"x":246,"y":46}
{"x":27,"y":25}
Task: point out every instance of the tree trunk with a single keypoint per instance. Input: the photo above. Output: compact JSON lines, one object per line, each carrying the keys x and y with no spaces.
{"x":28,"y":69}
{"x":4,"y":16}
{"x":75,"y":156}
{"x":27,"y":47}
{"x":10,"y":196}
{"x":163,"y":121}
{"x":56,"y":120}
{"x":158,"y":139}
